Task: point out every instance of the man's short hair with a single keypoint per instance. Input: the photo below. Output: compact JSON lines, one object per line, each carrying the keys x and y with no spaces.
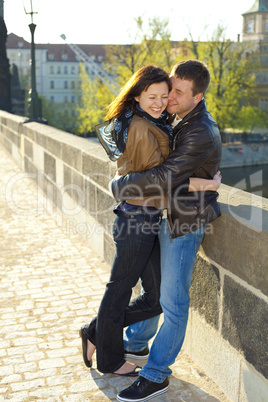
{"x":195,"y":71}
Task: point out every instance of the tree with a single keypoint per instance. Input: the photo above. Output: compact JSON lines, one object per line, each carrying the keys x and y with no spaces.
{"x":232,"y":78}
{"x":94,"y":99}
{"x":149,"y":46}
{"x":251,"y":117}
{"x":58,"y":115}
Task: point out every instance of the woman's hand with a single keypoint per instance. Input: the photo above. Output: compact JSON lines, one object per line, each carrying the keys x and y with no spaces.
{"x":217,"y":180}
{"x":117,"y":176}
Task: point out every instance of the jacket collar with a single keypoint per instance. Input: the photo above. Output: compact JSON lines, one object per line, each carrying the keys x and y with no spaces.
{"x":199,"y":109}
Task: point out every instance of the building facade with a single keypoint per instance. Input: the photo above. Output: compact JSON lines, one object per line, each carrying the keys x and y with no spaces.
{"x":57,"y":67}
{"x":255,"y":31}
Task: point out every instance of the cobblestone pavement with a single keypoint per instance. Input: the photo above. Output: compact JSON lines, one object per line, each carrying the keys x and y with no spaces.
{"x":51,"y":284}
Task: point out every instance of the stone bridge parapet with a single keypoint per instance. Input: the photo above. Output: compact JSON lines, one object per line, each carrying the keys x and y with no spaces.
{"x":227,"y":332}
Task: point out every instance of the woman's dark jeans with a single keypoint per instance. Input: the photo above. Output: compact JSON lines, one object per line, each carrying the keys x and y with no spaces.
{"x":137,"y":256}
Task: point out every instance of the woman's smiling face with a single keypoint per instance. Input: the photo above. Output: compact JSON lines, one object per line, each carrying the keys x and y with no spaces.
{"x":155,"y":99}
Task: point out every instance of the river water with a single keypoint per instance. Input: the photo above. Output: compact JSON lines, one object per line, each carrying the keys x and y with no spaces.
{"x":253,"y":179}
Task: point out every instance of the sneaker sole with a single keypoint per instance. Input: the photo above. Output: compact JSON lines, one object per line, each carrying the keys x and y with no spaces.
{"x":160,"y":392}
{"x":135,"y":357}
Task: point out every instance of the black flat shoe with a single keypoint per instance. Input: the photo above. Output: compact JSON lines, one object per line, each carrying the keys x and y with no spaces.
{"x":87,"y":362}
{"x":133,"y":373}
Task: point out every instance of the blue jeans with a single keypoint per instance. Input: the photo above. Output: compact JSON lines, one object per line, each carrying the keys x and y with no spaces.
{"x":137,"y":256}
{"x":177,"y":262}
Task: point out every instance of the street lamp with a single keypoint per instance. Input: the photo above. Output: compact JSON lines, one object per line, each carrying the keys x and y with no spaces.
{"x":34,"y":103}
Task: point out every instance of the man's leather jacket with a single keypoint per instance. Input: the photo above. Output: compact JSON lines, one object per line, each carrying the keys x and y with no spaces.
{"x":196,"y":153}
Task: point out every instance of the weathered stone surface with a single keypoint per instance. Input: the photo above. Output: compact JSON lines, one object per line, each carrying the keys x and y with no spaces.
{"x":72,"y":156}
{"x":245,"y":257}
{"x":205,"y":291}
{"x":50,"y":166}
{"x":28,"y":148}
{"x":245,"y":324}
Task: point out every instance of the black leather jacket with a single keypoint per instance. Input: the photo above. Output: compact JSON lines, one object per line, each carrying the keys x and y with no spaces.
{"x":196,"y":153}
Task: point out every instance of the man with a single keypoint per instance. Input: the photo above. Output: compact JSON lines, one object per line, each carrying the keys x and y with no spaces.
{"x":196,"y":152}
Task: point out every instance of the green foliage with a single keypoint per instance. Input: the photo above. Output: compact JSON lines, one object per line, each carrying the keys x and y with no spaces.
{"x":232,"y":78}
{"x":94,"y":99}
{"x":59,"y":116}
{"x":229,"y":97}
{"x":250,"y":117}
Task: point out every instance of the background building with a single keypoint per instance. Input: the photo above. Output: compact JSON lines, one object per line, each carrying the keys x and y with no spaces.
{"x":255,"y":30}
{"x":57,"y":66}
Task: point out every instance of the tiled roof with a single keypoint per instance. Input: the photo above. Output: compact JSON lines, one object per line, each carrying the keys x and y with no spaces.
{"x":13,"y":42}
{"x":58,"y":50}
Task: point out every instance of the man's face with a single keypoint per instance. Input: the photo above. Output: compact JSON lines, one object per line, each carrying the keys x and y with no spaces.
{"x":180,"y":99}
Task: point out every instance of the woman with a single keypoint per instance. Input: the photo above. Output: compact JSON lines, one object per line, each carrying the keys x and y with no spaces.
{"x":138,"y":137}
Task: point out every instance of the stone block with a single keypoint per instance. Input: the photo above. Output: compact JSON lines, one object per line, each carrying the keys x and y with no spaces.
{"x":72,"y":156}
{"x":54,"y":146}
{"x":41,"y":140}
{"x":254,"y":387}
{"x":90,"y":197}
{"x":205,"y":291}
{"x":67,"y":179}
{"x":31,"y":168}
{"x":28,"y":148}
{"x":105,"y":204}
{"x":8,"y":146}
{"x":239,"y":249}
{"x":213,"y":354}
{"x":50,"y":166}
{"x":97,"y":170}
{"x":245,"y":324}
{"x":78,"y":193}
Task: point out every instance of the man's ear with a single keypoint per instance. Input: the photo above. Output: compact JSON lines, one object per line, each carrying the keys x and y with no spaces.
{"x":198,"y":97}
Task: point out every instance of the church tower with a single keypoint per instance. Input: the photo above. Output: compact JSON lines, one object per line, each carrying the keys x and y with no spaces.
{"x":255,"y":22}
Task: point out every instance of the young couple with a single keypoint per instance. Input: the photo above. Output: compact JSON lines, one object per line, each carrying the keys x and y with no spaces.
{"x":167,"y":188}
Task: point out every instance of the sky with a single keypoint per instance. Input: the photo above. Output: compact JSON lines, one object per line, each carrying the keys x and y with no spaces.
{"x":113,"y":22}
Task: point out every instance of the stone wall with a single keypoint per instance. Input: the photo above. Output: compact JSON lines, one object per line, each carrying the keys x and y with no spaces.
{"x":228,"y":327}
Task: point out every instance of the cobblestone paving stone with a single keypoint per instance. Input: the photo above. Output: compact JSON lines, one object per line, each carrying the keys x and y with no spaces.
{"x":51,"y":284}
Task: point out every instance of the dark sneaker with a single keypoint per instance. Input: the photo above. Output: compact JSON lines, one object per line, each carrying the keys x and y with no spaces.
{"x":142,"y":390}
{"x":143,"y":354}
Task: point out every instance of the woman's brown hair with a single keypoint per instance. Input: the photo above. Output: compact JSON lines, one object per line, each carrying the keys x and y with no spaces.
{"x":139,"y":82}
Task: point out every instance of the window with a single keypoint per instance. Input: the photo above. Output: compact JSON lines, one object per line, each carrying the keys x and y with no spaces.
{"x":51,"y":84}
{"x":65,"y":70}
{"x":264,"y":104}
{"x":51,"y":69}
{"x":50,"y":56}
{"x":52,"y":98}
{"x":250,"y":25}
{"x":58,"y":70}
{"x":73,"y":99}
{"x":72,"y":85}
{"x":73,"y":70}
{"x":266,"y":24}
{"x":65,"y":84}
